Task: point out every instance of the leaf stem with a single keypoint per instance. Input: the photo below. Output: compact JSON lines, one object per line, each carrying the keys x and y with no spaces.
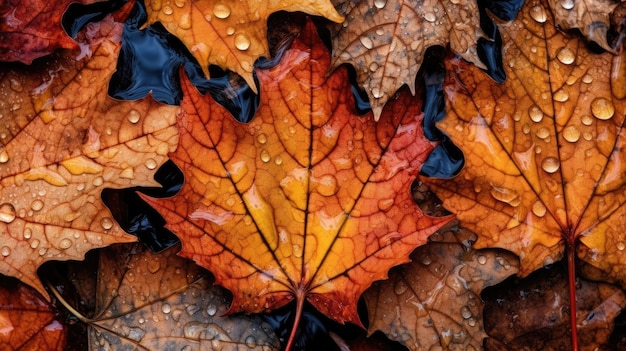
{"x":65,"y":304}
{"x":571,"y":269}
{"x":296,"y":322}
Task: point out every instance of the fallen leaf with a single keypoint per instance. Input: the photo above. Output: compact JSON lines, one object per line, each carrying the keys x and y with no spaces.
{"x":306,"y":202}
{"x":64,"y":140}
{"x":532,"y":313}
{"x":543,"y":151}
{"x":230,"y":34}
{"x":591,"y":17}
{"x":544,"y":160}
{"x":162,"y":302}
{"x":32,"y":28}
{"x":434,"y":301}
{"x":385,"y":40}
{"x":27,"y":321}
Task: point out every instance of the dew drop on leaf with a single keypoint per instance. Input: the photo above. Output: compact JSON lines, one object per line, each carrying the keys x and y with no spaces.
{"x":481,"y":259}
{"x":166,"y":308}
{"x":221,"y":11}
{"x":380,"y":3}
{"x":179,"y":3}
{"x":539,"y":209}
{"x":65,"y":244}
{"x":561,"y":95}
{"x":230,"y":31}
{"x":602,"y":108}
{"x":251,"y":341}
{"x":538,"y":13}
{"x":566,"y":56}
{"x":133,"y":116}
{"x":571,"y":134}
{"x":7,"y":213}
{"x":367,"y":42}
{"x":400,"y":287}
{"x":6,"y":251}
{"x":150,"y":163}
{"x":465,"y":312}
{"x":36,"y":205}
{"x":265,"y":156}
{"x":106,"y":223}
{"x":550,"y":164}
{"x":211,"y":310}
{"x":567,"y":4}
{"x":242,"y":42}
{"x":4,"y":157}
{"x":168,"y":10}
{"x":535,"y":113}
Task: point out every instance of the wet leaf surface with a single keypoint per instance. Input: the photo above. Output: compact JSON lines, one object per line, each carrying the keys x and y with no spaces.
{"x":434,"y":301}
{"x":161,"y":301}
{"x":386,"y":40}
{"x":231,"y":35}
{"x":307,"y":201}
{"x":64,"y":140}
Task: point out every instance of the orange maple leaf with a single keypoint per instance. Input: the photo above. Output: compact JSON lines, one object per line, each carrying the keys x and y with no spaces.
{"x":62,"y":141}
{"x":545,"y":159}
{"x":308,"y":201}
{"x":230,"y":34}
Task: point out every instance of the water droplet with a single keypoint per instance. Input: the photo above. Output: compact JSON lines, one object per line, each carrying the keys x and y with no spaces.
{"x":192,"y":309}
{"x":377,"y":93}
{"x":385,"y":204}
{"x":4,"y":157}
{"x":586,"y":120}
{"x":16,"y":85}
{"x":550,"y":164}
{"x":28,"y":233}
{"x":34,"y":244}
{"x":373,"y":66}
{"x":278,"y":160}
{"x":230,"y":31}
{"x":602,"y":108}
{"x":133,"y":116}
{"x":7,"y":213}
{"x":211,"y":310}
{"x":251,"y":342}
{"x":587,"y":78}
{"x":525,"y":129}
{"x":179,"y":3}
{"x":566,"y":56}
{"x":168,"y":10}
{"x":380,"y":3}
{"x":400,"y":287}
{"x":465,"y":312}
{"x":367,"y":42}
{"x":380,"y":31}
{"x":327,"y":185}
{"x":538,"y":13}
{"x":106,"y":223}
{"x":543,"y":133}
{"x":6,"y":251}
{"x":36,"y":205}
{"x":426,"y":260}
{"x":242,"y":42}
{"x":561,"y":95}
{"x":430,"y":17}
{"x":265,"y":156}
{"x":620,"y":246}
{"x":98,"y":181}
{"x":185,"y":21}
{"x":481,"y":259}
{"x":262,"y":138}
{"x":150,"y":163}
{"x":506,"y":195}
{"x":535,"y":113}
{"x":567,"y":4}
{"x":65,"y":244}
{"x":571,"y":134}
{"x":166,"y":308}
{"x":221,"y":11}
{"x":539,"y":209}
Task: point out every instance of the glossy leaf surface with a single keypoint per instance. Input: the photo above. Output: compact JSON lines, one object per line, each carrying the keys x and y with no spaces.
{"x":64,"y":140}
{"x":307,"y":201}
{"x":229,"y":34}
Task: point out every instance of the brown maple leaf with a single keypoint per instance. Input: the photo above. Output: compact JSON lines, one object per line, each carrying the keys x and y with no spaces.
{"x":434,"y":301}
{"x":308,"y":201}
{"x":162,"y":301}
{"x":386,"y":40}
{"x":62,"y":141}
{"x":32,"y":28}
{"x":230,"y":34}
{"x":544,"y":152}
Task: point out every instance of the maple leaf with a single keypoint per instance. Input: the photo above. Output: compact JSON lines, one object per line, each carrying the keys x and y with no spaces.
{"x":230,"y":34}
{"x":162,"y":301}
{"x":308,"y":201}
{"x":544,"y":152}
{"x":32,"y":28}
{"x":592,"y":18}
{"x":386,"y":40}
{"x":535,"y":307}
{"x":27,"y":321}
{"x":64,"y":140}
{"x":434,"y":301}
